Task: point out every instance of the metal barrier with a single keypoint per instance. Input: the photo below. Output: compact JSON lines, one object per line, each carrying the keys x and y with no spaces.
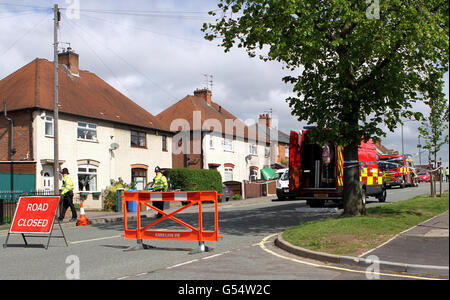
{"x":193,"y":234}
{"x":8,"y":202}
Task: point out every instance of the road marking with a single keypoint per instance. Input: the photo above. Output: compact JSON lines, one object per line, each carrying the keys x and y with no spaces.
{"x":261,"y":244}
{"x":182,"y":264}
{"x":212,"y":256}
{"x":97,"y":239}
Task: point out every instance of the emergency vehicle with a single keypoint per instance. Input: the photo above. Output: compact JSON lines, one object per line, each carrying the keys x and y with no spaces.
{"x":398,"y":170}
{"x":316,"y":173}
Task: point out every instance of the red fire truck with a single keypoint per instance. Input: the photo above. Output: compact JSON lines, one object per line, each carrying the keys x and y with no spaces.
{"x":398,"y":170}
{"x":316,"y":172}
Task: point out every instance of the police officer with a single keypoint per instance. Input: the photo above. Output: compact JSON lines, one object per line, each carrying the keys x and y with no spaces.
{"x":67,"y":196}
{"x":159,"y":184}
{"x":446,"y":174}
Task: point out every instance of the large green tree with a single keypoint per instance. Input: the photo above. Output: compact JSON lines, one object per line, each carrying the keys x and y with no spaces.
{"x":356,"y":64}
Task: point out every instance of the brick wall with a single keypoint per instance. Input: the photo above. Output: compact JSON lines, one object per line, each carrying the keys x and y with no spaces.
{"x":22,"y":135}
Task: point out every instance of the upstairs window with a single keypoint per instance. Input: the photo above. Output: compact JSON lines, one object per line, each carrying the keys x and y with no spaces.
{"x":48,"y":126}
{"x":138,"y":139}
{"x":252,"y":149}
{"x":228,"y":144}
{"x":87,"y":131}
{"x":164,"y":143}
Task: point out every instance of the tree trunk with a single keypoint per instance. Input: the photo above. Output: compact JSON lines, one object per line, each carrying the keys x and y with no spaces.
{"x":353,"y":202}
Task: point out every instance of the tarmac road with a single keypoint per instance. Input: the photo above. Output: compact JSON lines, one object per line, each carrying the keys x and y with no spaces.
{"x":246,"y":251}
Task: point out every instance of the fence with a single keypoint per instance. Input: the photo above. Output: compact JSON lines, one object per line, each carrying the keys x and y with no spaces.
{"x":259,"y":188}
{"x":8,"y":202}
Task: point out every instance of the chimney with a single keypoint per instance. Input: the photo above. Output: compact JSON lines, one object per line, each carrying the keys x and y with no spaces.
{"x":70,"y":60}
{"x":265,"y":120}
{"x":205,"y":94}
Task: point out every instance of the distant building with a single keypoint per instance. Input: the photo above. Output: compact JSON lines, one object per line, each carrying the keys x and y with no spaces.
{"x":238,"y":154}
{"x":279,"y":141}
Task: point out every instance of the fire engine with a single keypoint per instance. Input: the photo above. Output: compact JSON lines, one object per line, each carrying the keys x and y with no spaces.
{"x":316,"y":172}
{"x":398,"y":170}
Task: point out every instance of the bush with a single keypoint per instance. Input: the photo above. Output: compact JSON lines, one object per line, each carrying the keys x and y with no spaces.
{"x":196,"y":180}
{"x":109,"y":195}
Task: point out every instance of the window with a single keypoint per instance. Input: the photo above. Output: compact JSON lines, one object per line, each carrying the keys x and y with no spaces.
{"x":253,"y":174}
{"x":87,"y":178}
{"x":139,"y":176}
{"x":286,"y":151}
{"x":228,"y":144}
{"x":87,"y":131}
{"x":252,"y":149}
{"x":228,"y":174}
{"x":267,"y":151}
{"x":211,"y":142}
{"x":164,"y":143}
{"x":138,"y":139}
{"x":48,"y":125}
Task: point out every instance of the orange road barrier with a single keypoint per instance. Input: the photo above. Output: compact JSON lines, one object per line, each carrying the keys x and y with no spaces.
{"x":193,"y":234}
{"x":82,"y":220}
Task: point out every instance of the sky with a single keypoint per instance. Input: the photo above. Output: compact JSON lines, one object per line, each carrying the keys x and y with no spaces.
{"x":155,"y":53}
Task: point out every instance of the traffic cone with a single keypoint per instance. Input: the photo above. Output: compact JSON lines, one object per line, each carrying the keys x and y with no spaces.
{"x":82,"y":220}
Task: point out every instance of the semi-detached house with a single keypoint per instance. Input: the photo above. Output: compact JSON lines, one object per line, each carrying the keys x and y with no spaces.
{"x":210,"y":137}
{"x":103,"y":135}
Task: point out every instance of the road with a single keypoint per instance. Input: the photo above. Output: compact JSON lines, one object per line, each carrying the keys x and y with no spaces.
{"x":246,"y":251}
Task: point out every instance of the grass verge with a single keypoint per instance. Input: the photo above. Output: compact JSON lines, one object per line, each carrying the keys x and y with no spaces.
{"x":353,"y":236}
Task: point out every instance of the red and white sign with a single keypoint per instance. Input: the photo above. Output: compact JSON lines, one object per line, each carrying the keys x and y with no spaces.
{"x":34,"y":214}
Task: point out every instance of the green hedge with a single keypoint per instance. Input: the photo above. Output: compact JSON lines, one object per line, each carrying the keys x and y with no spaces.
{"x":196,"y":180}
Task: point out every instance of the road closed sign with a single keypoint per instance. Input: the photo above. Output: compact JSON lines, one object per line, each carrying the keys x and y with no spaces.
{"x":34,"y":214}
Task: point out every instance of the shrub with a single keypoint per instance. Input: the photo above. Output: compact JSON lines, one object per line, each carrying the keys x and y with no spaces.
{"x":196,"y":180}
{"x":109,"y":195}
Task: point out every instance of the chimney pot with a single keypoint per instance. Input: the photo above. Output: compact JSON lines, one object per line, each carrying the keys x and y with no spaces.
{"x":205,"y":94}
{"x":69,"y":59}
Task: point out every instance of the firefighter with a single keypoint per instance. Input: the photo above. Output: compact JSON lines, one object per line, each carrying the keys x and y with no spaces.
{"x":67,"y":196}
{"x":159,"y":184}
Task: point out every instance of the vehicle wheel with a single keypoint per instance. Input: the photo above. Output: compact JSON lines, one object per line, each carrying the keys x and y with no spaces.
{"x":403,"y":185}
{"x":382,"y":195}
{"x":363,"y":195}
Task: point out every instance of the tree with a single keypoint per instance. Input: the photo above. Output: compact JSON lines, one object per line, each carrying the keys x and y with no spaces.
{"x":434,"y":128}
{"x":355,"y":66}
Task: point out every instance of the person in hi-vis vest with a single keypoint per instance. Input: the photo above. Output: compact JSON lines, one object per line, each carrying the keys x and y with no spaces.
{"x":159,"y":184}
{"x":67,"y":196}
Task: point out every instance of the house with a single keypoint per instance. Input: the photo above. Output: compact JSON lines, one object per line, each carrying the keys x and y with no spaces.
{"x":210,"y":137}
{"x":103,"y":135}
{"x":279,"y":141}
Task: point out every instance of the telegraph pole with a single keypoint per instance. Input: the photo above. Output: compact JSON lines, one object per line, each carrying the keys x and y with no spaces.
{"x":56,"y":102}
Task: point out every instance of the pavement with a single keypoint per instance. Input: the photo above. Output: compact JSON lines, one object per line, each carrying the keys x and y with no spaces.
{"x":422,"y":249}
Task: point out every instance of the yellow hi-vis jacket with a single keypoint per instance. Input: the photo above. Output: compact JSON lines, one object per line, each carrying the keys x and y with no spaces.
{"x":67,"y":185}
{"x":160,"y":183}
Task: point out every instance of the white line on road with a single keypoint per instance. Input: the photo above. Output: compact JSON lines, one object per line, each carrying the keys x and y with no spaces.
{"x":97,"y":239}
{"x":182,"y":264}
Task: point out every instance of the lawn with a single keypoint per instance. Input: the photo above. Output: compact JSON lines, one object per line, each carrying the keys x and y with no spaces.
{"x":355,"y":235}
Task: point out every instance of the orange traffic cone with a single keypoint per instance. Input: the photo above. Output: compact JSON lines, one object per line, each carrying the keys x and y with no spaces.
{"x":82,"y":220}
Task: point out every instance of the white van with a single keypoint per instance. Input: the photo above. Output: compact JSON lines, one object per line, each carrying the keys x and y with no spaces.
{"x":283,"y":186}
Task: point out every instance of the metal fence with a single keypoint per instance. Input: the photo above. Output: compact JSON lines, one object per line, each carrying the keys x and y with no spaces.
{"x":8,"y":202}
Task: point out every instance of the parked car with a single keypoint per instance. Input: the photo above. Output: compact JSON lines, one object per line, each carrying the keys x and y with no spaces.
{"x":423,"y":176}
{"x":283,"y":187}
{"x":279,"y":173}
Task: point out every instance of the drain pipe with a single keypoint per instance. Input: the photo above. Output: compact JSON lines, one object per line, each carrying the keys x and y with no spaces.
{"x":11,"y":146}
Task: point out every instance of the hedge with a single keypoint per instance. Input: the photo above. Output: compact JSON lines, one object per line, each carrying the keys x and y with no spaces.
{"x":196,"y":180}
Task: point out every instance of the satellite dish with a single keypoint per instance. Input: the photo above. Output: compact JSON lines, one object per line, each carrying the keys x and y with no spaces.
{"x":114,"y":146}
